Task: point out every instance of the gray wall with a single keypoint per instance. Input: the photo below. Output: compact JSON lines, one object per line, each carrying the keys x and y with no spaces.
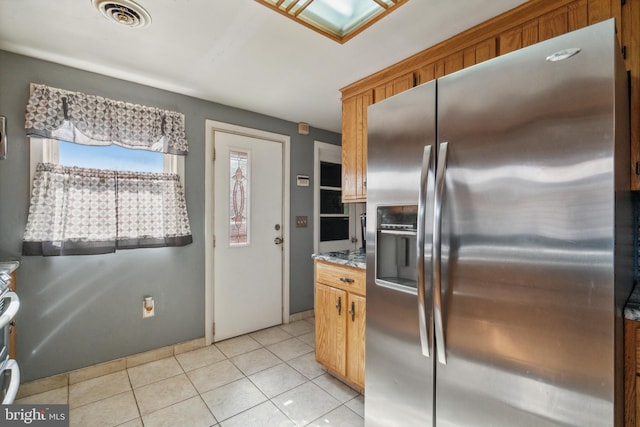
{"x":80,"y":310}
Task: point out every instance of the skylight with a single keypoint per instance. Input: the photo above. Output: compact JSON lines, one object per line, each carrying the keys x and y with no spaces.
{"x":339,"y":20}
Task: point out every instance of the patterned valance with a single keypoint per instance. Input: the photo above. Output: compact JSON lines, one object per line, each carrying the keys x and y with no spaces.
{"x":80,"y":211}
{"x":94,"y":120}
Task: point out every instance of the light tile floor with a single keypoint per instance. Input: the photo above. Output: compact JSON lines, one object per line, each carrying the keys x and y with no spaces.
{"x":266,"y":378}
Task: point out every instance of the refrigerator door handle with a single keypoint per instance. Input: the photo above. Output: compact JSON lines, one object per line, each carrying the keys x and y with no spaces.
{"x":437,"y":254}
{"x":422,"y":209}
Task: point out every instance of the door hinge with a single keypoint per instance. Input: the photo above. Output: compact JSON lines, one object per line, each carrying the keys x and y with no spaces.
{"x":213,"y":331}
{"x":624,"y":52}
{"x":214,"y":241}
{"x":637,"y":168}
{"x":214,"y":154}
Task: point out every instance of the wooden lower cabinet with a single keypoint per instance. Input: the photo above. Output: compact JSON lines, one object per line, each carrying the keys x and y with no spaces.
{"x":355,"y":339}
{"x":331,"y":328}
{"x":340,"y":307}
{"x":631,"y":373}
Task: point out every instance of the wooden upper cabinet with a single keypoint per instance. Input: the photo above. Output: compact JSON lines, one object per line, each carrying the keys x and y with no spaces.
{"x":552,"y":24}
{"x":349,"y":148}
{"x":425,"y":73}
{"x":393,"y":87}
{"x":480,"y":52}
{"x":519,"y":37}
{"x":527,"y":24}
{"x":354,"y":147}
{"x":631,"y":39}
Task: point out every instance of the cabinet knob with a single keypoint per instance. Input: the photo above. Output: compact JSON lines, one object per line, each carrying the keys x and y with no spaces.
{"x":352,"y":311}
{"x":347,"y":280}
{"x":339,"y":306}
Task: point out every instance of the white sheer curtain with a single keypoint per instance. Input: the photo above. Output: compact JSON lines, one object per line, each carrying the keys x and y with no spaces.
{"x":77,"y":211}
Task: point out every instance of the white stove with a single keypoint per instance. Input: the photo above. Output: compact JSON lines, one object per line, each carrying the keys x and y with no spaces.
{"x":9,"y":370}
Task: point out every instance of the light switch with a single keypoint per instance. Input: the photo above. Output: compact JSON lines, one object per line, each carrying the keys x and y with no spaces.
{"x":301,"y":222}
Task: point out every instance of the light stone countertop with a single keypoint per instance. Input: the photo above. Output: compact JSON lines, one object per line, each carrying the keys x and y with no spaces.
{"x":350,"y":258}
{"x":632,"y":308}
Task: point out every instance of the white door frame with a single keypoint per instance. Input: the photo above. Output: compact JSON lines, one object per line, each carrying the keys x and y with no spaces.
{"x":212,"y":126}
{"x":355,"y":209}
{"x":319,"y":146}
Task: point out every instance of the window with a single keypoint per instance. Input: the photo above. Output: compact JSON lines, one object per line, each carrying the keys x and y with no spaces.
{"x":98,"y":180}
{"x":334,"y":215}
{"x":110,"y":157}
{"x":137,"y":222}
{"x":340,"y":20}
{"x":239,"y":198}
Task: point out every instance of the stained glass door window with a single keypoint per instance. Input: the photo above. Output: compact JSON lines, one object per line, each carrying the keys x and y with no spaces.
{"x":239,"y":198}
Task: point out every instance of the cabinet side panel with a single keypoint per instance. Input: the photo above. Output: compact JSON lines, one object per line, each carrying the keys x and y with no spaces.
{"x":349,"y":149}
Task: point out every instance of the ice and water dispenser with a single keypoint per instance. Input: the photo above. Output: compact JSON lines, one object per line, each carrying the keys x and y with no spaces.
{"x":396,"y":241}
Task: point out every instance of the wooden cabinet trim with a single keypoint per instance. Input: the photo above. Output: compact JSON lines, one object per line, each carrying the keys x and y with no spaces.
{"x":492,"y":28}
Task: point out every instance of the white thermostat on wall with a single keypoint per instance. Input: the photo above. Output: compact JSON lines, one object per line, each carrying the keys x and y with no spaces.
{"x":302,"y":180}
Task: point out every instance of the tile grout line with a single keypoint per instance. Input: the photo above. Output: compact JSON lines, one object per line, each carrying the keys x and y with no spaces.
{"x":198,"y":393}
{"x":135,"y":398}
{"x":244,"y":375}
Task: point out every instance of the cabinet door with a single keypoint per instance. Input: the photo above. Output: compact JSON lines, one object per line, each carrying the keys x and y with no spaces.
{"x":356,"y":339}
{"x":631,"y":372}
{"x":480,"y":52}
{"x":331,"y":313}
{"x":426,"y":73}
{"x":354,"y":147}
{"x":393,"y":87}
{"x":349,"y":127}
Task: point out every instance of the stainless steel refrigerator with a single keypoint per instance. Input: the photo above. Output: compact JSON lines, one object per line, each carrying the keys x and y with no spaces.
{"x":500,"y":242}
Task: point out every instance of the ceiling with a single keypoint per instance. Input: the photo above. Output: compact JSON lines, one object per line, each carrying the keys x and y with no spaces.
{"x":234,"y":52}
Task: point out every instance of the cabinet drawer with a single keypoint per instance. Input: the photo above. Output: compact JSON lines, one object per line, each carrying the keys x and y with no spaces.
{"x":341,"y":276}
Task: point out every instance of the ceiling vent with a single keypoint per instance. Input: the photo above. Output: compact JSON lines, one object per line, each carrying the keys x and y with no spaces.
{"x":123,"y":12}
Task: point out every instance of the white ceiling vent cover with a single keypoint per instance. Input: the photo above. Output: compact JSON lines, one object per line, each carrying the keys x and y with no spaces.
{"x":123,"y":12}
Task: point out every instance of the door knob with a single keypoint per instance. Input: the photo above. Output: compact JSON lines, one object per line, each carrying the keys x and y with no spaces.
{"x":278,"y":240}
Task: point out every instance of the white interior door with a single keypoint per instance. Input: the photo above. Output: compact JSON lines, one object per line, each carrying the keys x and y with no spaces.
{"x":248,"y":254}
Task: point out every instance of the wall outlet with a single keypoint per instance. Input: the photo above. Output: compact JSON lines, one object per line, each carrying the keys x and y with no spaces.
{"x":148,"y":308}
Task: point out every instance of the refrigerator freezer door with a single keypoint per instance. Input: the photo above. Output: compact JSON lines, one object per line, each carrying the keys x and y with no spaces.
{"x":528,"y":237}
{"x":399,"y":376}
